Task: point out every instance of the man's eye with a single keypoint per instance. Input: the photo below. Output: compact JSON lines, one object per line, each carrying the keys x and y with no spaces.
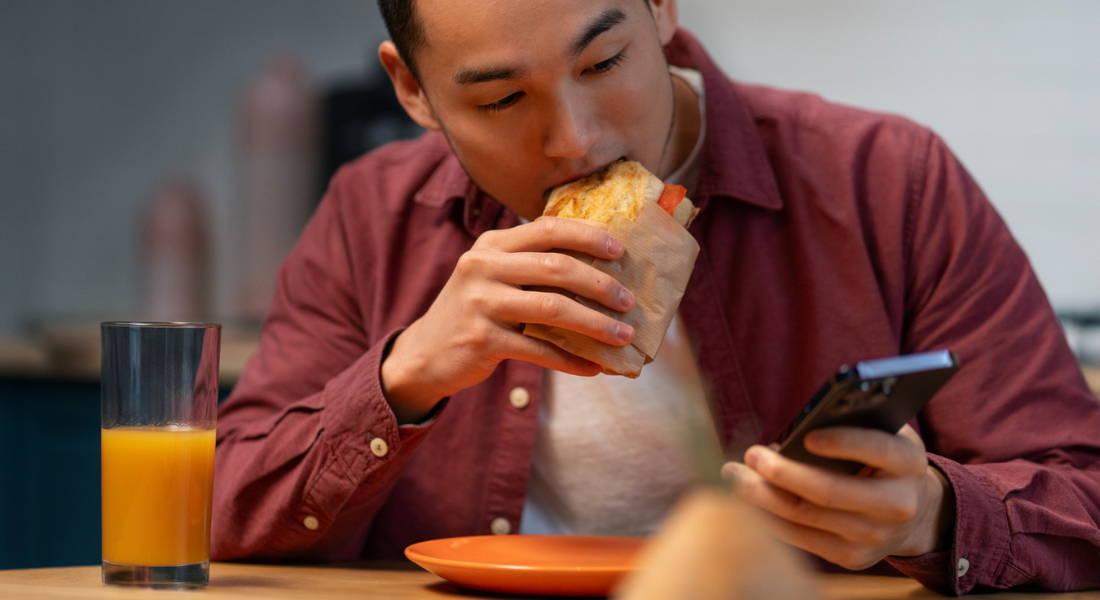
{"x":501,"y":104}
{"x":607,"y":65}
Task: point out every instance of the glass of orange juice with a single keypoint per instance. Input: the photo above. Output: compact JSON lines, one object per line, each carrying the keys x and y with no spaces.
{"x":159,"y":402}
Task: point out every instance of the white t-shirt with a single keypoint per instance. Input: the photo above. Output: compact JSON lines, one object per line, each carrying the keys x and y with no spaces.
{"x":610,"y":453}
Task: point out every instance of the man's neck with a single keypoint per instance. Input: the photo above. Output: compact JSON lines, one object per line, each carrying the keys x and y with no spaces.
{"x":685,"y":127}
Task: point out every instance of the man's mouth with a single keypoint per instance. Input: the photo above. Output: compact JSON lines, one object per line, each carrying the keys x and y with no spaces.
{"x":577,"y":176}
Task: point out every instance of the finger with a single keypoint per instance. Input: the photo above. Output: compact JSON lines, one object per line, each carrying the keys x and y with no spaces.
{"x":789,"y":507}
{"x":556,"y":310}
{"x":555,"y":270}
{"x":912,"y":435}
{"x":552,"y":233}
{"x":881,"y":499}
{"x":894,"y":455}
{"x":828,"y":545}
{"x":547,"y":355}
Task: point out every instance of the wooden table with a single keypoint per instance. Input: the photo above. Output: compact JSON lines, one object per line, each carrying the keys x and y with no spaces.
{"x":381,"y":581}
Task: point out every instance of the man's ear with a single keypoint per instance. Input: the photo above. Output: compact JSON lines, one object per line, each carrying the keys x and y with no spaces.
{"x":408,"y":90}
{"x":666,"y":17}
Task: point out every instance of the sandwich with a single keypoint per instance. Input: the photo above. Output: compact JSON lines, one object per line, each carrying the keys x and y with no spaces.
{"x":650,"y":217}
{"x":622,"y":188}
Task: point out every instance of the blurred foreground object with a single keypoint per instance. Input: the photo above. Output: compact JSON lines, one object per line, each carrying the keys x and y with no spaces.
{"x":278,"y":127}
{"x":175,"y":254}
{"x":714,"y":547}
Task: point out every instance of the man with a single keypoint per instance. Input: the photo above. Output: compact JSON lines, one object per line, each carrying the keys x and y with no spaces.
{"x":394,"y":399}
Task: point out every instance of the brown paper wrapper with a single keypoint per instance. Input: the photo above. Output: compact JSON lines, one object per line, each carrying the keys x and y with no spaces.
{"x":660,"y":255}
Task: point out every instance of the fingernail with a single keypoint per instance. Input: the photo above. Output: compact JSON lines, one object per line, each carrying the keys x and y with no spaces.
{"x":614,"y":246}
{"x":815,"y":440}
{"x":624,"y":333}
{"x":729,"y":474}
{"x":626,"y":299}
{"x":752,"y":457}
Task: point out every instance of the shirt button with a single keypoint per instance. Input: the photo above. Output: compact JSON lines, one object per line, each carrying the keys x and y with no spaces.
{"x":379,"y":447}
{"x":500,"y":526}
{"x":311,"y":523}
{"x":964,"y":566}
{"x":519,"y":397}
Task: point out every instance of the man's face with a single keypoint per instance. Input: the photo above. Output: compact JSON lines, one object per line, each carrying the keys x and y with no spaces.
{"x":535,"y":93}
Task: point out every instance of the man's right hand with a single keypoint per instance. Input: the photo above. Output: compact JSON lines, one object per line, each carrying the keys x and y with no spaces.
{"x":477,"y":319}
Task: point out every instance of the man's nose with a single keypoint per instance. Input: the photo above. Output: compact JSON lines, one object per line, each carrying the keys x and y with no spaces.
{"x":570,"y":132}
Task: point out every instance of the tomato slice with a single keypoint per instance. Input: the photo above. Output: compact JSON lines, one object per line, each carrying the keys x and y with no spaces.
{"x":671,"y":197}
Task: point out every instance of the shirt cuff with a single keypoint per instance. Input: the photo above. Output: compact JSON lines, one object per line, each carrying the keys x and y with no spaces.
{"x":364,"y":442}
{"x":981,"y":539}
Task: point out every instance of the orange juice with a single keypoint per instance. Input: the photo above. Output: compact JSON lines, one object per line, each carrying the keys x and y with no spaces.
{"x":157,"y":484}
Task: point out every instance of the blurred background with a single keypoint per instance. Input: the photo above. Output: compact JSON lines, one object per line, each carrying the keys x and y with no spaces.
{"x":157,"y":159}
{"x":103,"y":104}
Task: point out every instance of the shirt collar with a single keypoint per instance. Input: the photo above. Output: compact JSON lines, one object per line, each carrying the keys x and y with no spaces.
{"x":449,"y":182}
{"x":734,"y":162}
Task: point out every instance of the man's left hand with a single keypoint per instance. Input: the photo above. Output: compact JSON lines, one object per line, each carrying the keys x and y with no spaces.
{"x":902,"y":506}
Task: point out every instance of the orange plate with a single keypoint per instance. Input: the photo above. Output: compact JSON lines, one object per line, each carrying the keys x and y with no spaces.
{"x":552,"y":565}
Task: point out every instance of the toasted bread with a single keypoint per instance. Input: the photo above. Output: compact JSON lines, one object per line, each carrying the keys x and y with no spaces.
{"x":622,"y":188}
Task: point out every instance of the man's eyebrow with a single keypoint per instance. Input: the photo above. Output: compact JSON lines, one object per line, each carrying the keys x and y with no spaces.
{"x":607,"y":19}
{"x":469,"y":76}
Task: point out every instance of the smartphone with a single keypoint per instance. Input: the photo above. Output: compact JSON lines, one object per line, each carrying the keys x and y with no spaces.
{"x":879,"y":394}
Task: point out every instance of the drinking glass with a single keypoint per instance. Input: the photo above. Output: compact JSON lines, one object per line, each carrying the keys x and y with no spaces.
{"x":159,"y":401}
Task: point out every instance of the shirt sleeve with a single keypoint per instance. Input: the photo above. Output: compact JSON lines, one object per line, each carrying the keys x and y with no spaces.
{"x":307,"y":447}
{"x":1016,"y":431}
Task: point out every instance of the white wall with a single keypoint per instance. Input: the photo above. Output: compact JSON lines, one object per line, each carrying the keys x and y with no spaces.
{"x":99,"y":100}
{"x":1012,"y":85}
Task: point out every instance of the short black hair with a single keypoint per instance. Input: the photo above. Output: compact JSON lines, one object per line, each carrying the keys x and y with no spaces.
{"x":406,"y":29}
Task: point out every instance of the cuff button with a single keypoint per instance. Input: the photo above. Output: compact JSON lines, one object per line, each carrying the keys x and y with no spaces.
{"x":964,"y":566}
{"x":379,"y":447}
{"x":311,"y":523}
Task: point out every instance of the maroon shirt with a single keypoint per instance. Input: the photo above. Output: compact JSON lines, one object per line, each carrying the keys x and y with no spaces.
{"x":828,"y":235}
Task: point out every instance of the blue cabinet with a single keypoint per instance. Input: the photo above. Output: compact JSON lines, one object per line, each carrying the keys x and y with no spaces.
{"x":49,"y":473}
